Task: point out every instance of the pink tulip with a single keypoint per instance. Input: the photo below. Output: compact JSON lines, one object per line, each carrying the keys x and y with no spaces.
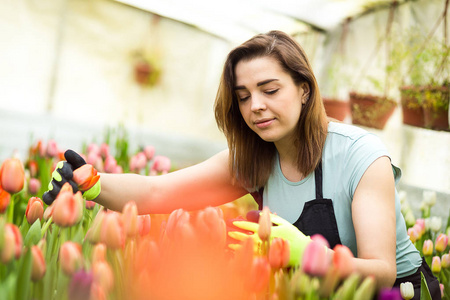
{"x":138,"y":162}
{"x":265,"y":224}
{"x":441,"y":242}
{"x":12,"y":175}
{"x":144,"y":224}
{"x":129,"y":218}
{"x":112,"y":231}
{"x":93,"y":148}
{"x":427,"y":248}
{"x":52,"y":149}
{"x":149,"y":152}
{"x":68,"y":208}
{"x":104,"y":150}
{"x":320,"y":239}
{"x":118,"y":169}
{"x":343,"y":261}
{"x":85,"y":177}
{"x":70,"y":257}
{"x":421,"y":224}
{"x":315,"y":260}
{"x":436,"y":264}
{"x":12,"y":244}
{"x":177,"y":220}
{"x":441,"y":287}
{"x":93,"y":158}
{"x":103,"y":275}
{"x":110,"y":164}
{"x":35,"y":210}
{"x":161,"y":164}
{"x":34,"y":185}
{"x":259,"y":274}
{"x":38,"y":267}
{"x":413,"y":234}
{"x":5,"y":198}
{"x":279,"y":253}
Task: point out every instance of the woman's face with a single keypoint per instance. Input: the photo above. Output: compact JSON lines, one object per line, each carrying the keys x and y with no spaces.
{"x":269,"y":100}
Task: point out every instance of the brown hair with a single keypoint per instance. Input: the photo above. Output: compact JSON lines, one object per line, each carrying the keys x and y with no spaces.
{"x":252,"y":158}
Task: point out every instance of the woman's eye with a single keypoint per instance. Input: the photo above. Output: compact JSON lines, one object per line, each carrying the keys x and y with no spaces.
{"x":243,"y":98}
{"x":271,"y":92}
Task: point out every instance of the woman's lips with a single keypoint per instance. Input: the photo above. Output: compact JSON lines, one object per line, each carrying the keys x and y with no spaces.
{"x":263,"y":123}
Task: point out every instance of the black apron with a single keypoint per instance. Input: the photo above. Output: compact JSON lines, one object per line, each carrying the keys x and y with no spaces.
{"x":317,"y":216}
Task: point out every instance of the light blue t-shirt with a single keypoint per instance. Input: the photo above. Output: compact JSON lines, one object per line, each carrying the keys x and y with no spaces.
{"x":348,"y":152}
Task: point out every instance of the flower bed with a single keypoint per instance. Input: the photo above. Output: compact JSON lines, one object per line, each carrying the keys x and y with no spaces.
{"x":76,"y":249}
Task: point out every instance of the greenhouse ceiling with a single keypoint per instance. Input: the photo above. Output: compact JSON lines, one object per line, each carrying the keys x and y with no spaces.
{"x":236,"y":20}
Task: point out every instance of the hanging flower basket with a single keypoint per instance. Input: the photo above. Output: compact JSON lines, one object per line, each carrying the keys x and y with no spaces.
{"x":337,"y":109}
{"x":371,"y":111}
{"x":412,"y":108}
{"x":435,"y":107}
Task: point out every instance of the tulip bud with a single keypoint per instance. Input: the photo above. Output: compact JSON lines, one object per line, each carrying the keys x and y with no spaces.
{"x":427,"y":248}
{"x":259,"y":274}
{"x":68,"y":208}
{"x":445,"y":261}
{"x":112,"y":232}
{"x":12,"y":175}
{"x":265,"y":225}
{"x":436,"y":264}
{"x":33,"y":167}
{"x":12,"y":245}
{"x":70,"y":257}
{"x":407,"y":290}
{"x":315,"y":259}
{"x":35,"y":210}
{"x":343,"y":260}
{"x":90,"y":204}
{"x":93,"y":233}
{"x":103,"y":275}
{"x":138,"y":162}
{"x":279,"y":253}
{"x":99,"y":252}
{"x":130,"y":219}
{"x":441,"y":287}
{"x":435,"y":224}
{"x":52,"y":148}
{"x":144,"y":224}
{"x":104,"y":150}
{"x":441,"y":242}
{"x":34,"y":185}
{"x":149,"y":152}
{"x":38,"y":266}
{"x":110,"y":164}
{"x":85,"y":177}
{"x":5,"y":198}
{"x":80,"y":286}
{"x":429,"y":198}
{"x":211,"y":226}
{"x":161,"y":164}
{"x":413,"y":234}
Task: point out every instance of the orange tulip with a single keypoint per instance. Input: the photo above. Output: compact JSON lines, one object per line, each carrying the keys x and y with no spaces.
{"x":211,"y":226}
{"x":70,"y":257}
{"x":130,"y":219}
{"x":12,"y":244}
{"x":12,"y":175}
{"x":35,"y":210}
{"x":343,"y":261}
{"x":279,"y":253}
{"x":99,"y":252}
{"x":86,"y":177}
{"x":103,"y":275}
{"x":144,"y":224}
{"x":5,"y":198}
{"x":68,"y":208}
{"x":315,"y":259}
{"x":177,"y":220}
{"x":38,"y":267}
{"x":112,"y":231}
{"x":259,"y":274}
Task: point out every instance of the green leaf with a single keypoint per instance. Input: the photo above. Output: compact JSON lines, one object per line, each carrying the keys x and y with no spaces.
{"x":24,"y":277}
{"x":424,"y":291}
{"x":34,"y":234}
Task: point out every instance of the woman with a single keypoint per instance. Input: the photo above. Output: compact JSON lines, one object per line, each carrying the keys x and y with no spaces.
{"x":323,"y":177}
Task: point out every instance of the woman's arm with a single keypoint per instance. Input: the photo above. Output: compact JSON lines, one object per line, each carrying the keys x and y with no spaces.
{"x":373,"y":211}
{"x":206,"y":184}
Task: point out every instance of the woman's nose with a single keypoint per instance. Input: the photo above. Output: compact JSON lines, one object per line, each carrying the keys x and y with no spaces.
{"x":257,"y":103}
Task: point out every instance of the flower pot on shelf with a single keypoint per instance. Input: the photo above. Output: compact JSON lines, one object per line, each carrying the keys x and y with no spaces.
{"x":412,"y":108}
{"x":435,"y":107}
{"x":337,"y":109}
{"x":371,"y":111}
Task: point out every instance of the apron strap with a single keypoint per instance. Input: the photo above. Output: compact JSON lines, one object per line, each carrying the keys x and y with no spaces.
{"x":318,"y":180}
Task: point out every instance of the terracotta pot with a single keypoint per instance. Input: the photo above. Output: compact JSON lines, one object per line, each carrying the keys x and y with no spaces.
{"x":371,"y":111}
{"x":336,"y":108}
{"x":436,"y":105}
{"x":412,"y":108}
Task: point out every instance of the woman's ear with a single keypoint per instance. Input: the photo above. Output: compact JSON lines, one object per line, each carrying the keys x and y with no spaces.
{"x":304,"y":86}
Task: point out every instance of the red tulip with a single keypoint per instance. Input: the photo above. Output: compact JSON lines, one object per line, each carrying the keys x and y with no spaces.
{"x":67,"y":208}
{"x":5,"y":198}
{"x":279,"y":253}
{"x":315,"y":259}
{"x":12,"y":244}
{"x":35,"y":210}
{"x":112,"y":231}
{"x":343,"y":260}
{"x":130,"y":220}
{"x":12,"y":175}
{"x":144,"y":224}
{"x":86,"y":177}
{"x":70,"y":257}
{"x":38,"y":267}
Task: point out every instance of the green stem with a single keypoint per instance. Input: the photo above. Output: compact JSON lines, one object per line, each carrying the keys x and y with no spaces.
{"x":46,"y":225}
{"x":10,"y":216}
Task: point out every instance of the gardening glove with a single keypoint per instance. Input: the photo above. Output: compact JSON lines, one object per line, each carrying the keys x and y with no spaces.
{"x":85,"y":179}
{"x":281,"y":229}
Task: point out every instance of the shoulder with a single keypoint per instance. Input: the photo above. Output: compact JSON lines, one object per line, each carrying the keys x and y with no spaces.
{"x":350,"y":136}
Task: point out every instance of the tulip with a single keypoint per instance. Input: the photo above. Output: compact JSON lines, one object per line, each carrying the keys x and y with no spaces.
{"x":279,"y":253}
{"x":161,"y":164}
{"x":103,"y":275}
{"x":70,"y":257}
{"x":138,"y":162}
{"x":445,"y":261}
{"x":148,"y":256}
{"x":97,"y":292}
{"x":12,"y":244}
{"x":112,"y":232}
{"x":130,"y":220}
{"x":441,"y":287}
{"x":259,"y":274}
{"x":366,"y":289}
{"x":93,"y":148}
{"x":265,"y":224}
{"x":421,"y":224}
{"x":427,"y":248}
{"x":211,"y":225}
{"x":99,"y":252}
{"x":118,"y":169}
{"x":144,"y":224}
{"x":86,"y":177}
{"x":38,"y":266}
{"x":93,"y":233}
{"x":110,"y":164}
{"x":93,"y":158}
{"x":5,"y":198}
{"x":52,"y":149}
{"x":80,"y":285}
{"x":68,"y":208}
{"x":441,"y":242}
{"x":12,"y":175}
{"x":35,"y":210}
{"x":407,"y":290}
{"x":90,"y":204}
{"x":149,"y":152}
{"x":413,"y":234}
{"x":104,"y":150}
{"x":34,"y":185}
{"x":343,"y":260}
{"x":321,"y":239}
{"x":177,"y":219}
{"x":33,"y":167}
{"x":436,"y":265}
{"x":429,"y":198}
{"x":315,"y":260}
{"x":435,"y":223}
